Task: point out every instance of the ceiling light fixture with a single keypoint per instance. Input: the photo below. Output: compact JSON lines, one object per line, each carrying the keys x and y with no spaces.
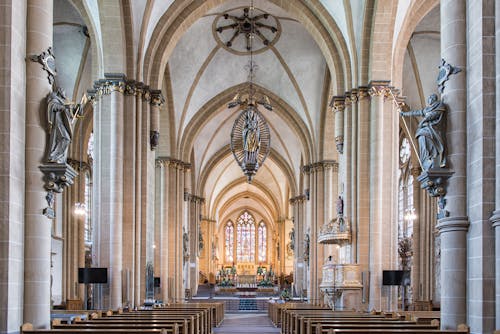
{"x":250,"y":136}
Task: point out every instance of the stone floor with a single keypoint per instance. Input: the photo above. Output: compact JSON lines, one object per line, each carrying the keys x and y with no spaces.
{"x":246,"y":323}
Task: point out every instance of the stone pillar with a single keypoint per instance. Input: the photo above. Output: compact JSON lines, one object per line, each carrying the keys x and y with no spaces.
{"x":172,"y":221}
{"x":480,"y":141}
{"x":495,"y":218}
{"x":453,"y":229}
{"x":346,"y":190}
{"x":129,"y":190}
{"x":146,"y":196}
{"x":299,"y":267}
{"x":142,"y":92}
{"x":37,"y":227}
{"x":418,"y":233}
{"x":110,"y":165}
{"x":195,"y":203}
{"x":363,"y":189}
{"x":383,"y":231}
{"x":12,"y":176}
{"x":320,"y":201}
{"x":353,"y":212}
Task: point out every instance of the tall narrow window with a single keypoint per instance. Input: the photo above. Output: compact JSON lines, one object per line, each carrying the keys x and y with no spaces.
{"x":229,"y":240}
{"x":88,"y":206}
{"x":245,"y":231}
{"x":262,"y":242}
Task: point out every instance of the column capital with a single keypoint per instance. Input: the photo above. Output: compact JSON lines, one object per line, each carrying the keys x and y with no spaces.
{"x":157,"y":98}
{"x":337,"y":103}
{"x":188,"y":197}
{"x":172,"y":163}
{"x":379,"y":88}
{"x":452,"y":224}
{"x":495,"y":218}
{"x":320,"y":166}
{"x":362,"y":93}
{"x":297,"y":199}
{"x":119,"y":82}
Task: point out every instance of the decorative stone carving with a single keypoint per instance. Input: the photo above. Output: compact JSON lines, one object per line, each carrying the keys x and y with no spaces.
{"x":291,"y":234}
{"x":61,"y":117}
{"x":307,"y":242}
{"x":320,"y":166}
{"x":56,"y":177}
{"x":430,"y":134}
{"x":432,"y":149}
{"x":338,"y":106}
{"x":185,"y":246}
{"x":337,"y":231}
{"x":445,"y":70}
{"x":48,"y":62}
{"x":337,"y":279}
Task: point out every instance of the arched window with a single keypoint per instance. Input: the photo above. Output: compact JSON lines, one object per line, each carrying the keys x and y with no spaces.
{"x":262,"y":232}
{"x":245,"y":234}
{"x":406,"y":209}
{"x":88,"y":206}
{"x":229,"y":241}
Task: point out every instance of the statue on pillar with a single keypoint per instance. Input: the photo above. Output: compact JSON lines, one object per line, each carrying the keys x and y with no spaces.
{"x":430,"y":134}
{"x":307,"y":242}
{"x":61,"y":115}
{"x":340,"y":207}
{"x":291,"y":234}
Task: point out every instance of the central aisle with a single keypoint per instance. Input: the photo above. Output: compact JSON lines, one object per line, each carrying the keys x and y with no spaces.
{"x":246,"y":323}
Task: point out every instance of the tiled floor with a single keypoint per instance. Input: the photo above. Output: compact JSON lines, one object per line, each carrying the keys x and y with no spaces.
{"x":246,"y":323}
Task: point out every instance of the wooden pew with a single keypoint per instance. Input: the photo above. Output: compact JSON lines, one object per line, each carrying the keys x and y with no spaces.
{"x":28,"y":329}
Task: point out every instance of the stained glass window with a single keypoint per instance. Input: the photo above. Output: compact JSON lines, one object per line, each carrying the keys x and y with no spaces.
{"x":229,"y":239}
{"x":262,"y":242}
{"x":245,"y":233}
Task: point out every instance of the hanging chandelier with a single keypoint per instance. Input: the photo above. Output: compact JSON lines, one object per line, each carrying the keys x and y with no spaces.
{"x":250,"y":136}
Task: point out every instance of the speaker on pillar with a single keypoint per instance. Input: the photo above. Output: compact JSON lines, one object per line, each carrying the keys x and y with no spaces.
{"x":396,"y":277}
{"x":93,"y":275}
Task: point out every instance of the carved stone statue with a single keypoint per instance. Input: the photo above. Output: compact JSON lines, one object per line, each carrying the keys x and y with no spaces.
{"x":251,"y":132}
{"x":185,"y":245}
{"x":430,"y":134}
{"x":340,"y":207}
{"x":291,"y":234}
{"x":61,"y":116}
{"x":307,"y":242}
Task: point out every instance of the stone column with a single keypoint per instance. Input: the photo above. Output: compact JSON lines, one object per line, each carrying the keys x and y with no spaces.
{"x":418,"y":232}
{"x":353,"y":212}
{"x":110,"y":170}
{"x":172,"y":219}
{"x":495,"y":218}
{"x":299,"y":267}
{"x":12,"y":175}
{"x":383,"y":230}
{"x":453,"y":229}
{"x":37,"y":227}
{"x":480,"y":142}
{"x":129,"y":194}
{"x":142,"y":92}
{"x":363,"y":188}
{"x":346,"y":189}
{"x":320,"y":201}
{"x":146,"y":170}
{"x":195,"y":203}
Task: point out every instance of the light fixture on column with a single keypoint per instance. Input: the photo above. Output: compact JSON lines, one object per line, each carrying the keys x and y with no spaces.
{"x":250,"y":136}
{"x":410,"y":215}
